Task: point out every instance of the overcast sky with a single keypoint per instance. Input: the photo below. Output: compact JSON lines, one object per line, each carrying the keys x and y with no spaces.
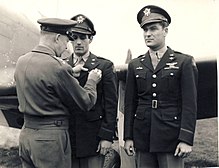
{"x":194,"y":27}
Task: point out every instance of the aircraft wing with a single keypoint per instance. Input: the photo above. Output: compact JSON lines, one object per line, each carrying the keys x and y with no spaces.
{"x":18,"y":35}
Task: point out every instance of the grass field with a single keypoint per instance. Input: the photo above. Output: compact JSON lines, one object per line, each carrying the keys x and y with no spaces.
{"x":205,"y":150}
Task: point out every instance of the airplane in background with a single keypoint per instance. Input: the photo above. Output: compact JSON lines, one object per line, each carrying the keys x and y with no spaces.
{"x":19,"y":35}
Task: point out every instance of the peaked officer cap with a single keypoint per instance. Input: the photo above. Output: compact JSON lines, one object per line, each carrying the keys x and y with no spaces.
{"x":84,"y":25}
{"x":152,"y":14}
{"x":56,"y":25}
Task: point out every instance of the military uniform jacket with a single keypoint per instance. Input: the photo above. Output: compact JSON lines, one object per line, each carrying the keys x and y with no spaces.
{"x":46,"y":86}
{"x":98,"y":123}
{"x":161,"y":104}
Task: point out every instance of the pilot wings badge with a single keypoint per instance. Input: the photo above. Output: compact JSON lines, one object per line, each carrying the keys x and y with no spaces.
{"x":171,"y":65}
{"x":139,"y":68}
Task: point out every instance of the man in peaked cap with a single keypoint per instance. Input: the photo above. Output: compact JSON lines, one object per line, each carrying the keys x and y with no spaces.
{"x":160,"y":98}
{"x":92,"y":133}
{"x":46,"y":90}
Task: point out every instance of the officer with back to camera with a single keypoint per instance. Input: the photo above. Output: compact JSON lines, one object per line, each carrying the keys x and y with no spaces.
{"x":46,"y":90}
{"x":160,"y":98}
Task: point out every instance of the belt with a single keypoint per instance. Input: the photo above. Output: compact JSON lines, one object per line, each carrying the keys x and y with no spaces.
{"x":154,"y":104}
{"x":40,"y":122}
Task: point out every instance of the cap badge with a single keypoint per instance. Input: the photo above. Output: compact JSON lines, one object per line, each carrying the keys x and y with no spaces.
{"x":147,"y":11}
{"x":80,"y":19}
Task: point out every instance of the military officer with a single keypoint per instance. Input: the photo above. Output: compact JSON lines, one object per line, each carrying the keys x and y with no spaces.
{"x":46,"y":90}
{"x":160,"y":98}
{"x":93,"y":132}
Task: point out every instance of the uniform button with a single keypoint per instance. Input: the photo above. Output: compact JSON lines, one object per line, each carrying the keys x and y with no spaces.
{"x":135,"y":115}
{"x":175,"y":118}
{"x":154,"y":76}
{"x":154,"y":85}
{"x":137,"y":76}
{"x":101,"y":116}
{"x":154,"y":94}
{"x":171,"y":74}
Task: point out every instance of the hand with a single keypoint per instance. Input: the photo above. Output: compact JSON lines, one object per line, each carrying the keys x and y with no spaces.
{"x":95,"y":74}
{"x":104,"y":146}
{"x":129,"y":147}
{"x":77,"y":69}
{"x":183,"y":150}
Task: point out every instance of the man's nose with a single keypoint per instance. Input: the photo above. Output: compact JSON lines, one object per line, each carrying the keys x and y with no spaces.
{"x":78,"y":41}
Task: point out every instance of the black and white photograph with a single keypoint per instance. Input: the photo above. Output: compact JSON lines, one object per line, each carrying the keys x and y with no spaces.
{"x":109,"y":84}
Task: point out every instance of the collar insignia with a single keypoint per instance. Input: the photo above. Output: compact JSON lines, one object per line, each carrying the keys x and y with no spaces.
{"x":171,"y":58}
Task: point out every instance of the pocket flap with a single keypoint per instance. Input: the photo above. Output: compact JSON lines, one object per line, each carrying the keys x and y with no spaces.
{"x":140,"y":114}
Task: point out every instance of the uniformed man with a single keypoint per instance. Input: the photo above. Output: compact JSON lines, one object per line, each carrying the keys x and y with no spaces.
{"x":160,"y":98}
{"x":46,"y":90}
{"x":92,"y":133}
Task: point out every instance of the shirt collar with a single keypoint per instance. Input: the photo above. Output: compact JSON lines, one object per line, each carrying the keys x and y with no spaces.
{"x":160,"y":51}
{"x":84,"y":57}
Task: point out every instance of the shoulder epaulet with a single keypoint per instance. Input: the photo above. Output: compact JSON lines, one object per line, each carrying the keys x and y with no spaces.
{"x":187,"y":55}
{"x":178,"y":52}
{"x":61,"y":61}
{"x":140,"y":56}
{"x":101,"y":58}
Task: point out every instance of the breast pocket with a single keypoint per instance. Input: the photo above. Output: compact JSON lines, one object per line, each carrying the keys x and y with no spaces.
{"x":170,"y":80}
{"x":141,"y":79}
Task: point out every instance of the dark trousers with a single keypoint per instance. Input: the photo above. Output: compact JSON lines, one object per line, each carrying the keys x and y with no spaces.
{"x":158,"y":160}
{"x":88,"y":162}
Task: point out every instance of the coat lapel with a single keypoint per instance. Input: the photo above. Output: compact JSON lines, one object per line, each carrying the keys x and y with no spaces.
{"x":92,"y":62}
{"x":168,"y":57}
{"x":146,"y":61}
{"x":69,"y":60}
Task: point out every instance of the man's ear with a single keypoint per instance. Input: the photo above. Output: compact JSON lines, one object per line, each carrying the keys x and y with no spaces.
{"x":90,"y":39}
{"x":166,"y":31}
{"x":57,"y":37}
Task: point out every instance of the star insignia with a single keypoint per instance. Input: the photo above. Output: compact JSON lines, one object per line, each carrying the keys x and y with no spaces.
{"x":80,"y":19}
{"x":147,"y":12}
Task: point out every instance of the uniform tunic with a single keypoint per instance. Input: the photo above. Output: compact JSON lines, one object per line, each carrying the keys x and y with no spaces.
{"x":46,"y":86}
{"x":161,"y":103}
{"x":46,"y":91}
{"x":98,"y":123}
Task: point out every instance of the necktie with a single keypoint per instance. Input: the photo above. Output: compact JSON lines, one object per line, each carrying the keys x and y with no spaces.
{"x":155,"y":59}
{"x":79,"y":61}
{"x":77,"y":64}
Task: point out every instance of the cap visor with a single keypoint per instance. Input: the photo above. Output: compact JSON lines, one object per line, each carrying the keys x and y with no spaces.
{"x":80,"y":31}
